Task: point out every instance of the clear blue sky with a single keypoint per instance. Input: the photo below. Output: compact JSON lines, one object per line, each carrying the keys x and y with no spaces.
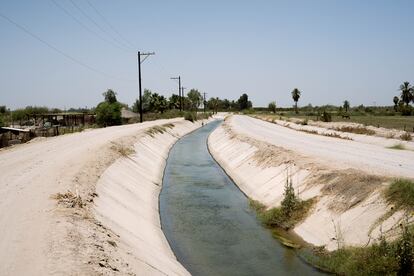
{"x":331,"y":50}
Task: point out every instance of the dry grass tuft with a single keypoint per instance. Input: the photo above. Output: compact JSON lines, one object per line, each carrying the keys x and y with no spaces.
{"x":349,"y":187}
{"x":69,"y":199}
{"x":406,"y":136}
{"x":356,"y":130}
{"x":159,"y":129}
{"x":122,"y":149}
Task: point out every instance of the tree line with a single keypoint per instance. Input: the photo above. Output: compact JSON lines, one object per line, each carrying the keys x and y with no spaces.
{"x":153,"y":102}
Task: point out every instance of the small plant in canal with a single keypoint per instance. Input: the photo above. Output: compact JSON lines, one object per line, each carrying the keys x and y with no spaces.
{"x":289,"y":201}
{"x":291,"y":211}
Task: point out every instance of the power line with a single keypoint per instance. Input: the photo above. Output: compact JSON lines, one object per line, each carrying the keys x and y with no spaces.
{"x":85,"y":26}
{"x":97,"y":25}
{"x":24,"y":29}
{"x":110,"y":25}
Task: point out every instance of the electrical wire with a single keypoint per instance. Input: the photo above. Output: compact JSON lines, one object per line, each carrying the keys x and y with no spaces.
{"x":86,"y":27}
{"x":69,"y":57}
{"x":98,"y":26}
{"x":110,"y":25}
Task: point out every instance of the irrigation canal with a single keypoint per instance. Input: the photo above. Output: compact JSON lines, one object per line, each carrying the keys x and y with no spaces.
{"x":208,"y":222}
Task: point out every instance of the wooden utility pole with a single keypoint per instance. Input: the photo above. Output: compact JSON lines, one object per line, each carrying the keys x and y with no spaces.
{"x":146,"y":55}
{"x":204,"y":102}
{"x":179,"y":90}
{"x":182,"y":95}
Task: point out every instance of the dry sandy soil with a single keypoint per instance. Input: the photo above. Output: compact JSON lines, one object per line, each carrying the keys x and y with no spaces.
{"x":376,"y":136}
{"x":340,"y":153}
{"x":47,"y":195}
{"x":346,"y":177}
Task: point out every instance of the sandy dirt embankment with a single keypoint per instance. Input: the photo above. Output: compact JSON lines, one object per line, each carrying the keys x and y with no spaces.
{"x":346,"y":177}
{"x":56,"y":219}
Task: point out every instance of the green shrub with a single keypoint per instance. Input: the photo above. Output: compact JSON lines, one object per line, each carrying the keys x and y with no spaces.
{"x":405,"y":252}
{"x":291,"y":211}
{"x":108,"y":114}
{"x":190,"y":116}
{"x":383,"y":258}
{"x":406,"y":136}
{"x":401,"y":193}
{"x":204,"y":116}
{"x":1,"y":121}
{"x":248,"y":111}
{"x":289,"y":201}
{"x":406,"y":110}
{"x":326,"y":117}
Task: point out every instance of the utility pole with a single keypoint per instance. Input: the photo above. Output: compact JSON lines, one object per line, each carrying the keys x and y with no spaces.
{"x":179,"y":90}
{"x":204,"y":102}
{"x":182,"y":94}
{"x":146,"y":55}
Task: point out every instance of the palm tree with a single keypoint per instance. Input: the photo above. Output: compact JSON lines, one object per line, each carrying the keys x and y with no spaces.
{"x":395,"y":100}
{"x":407,"y":91}
{"x":296,"y":95}
{"x":346,"y":106}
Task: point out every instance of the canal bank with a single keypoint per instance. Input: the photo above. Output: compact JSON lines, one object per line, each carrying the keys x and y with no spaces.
{"x":208,"y":222}
{"x":127,"y":200}
{"x":345,"y":196}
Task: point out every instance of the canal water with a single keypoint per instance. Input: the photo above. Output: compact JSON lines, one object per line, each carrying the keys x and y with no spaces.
{"x":208,"y":222}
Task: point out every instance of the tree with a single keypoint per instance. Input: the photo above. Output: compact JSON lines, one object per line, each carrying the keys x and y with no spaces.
{"x":110,"y":96}
{"x":296,"y":95}
{"x":346,"y":106}
{"x":395,"y":100}
{"x":244,"y":102}
{"x":195,"y":98}
{"x":174,"y":101}
{"x":108,"y":112}
{"x":213,"y":104}
{"x":158,"y":103}
{"x":226,"y":104}
{"x":146,"y":97}
{"x":272,"y":107}
{"x":406,"y":92}
{"x":3,"y":109}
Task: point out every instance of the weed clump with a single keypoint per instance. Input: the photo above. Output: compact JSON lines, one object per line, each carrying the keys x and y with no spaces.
{"x":122,"y":149}
{"x":406,"y":136}
{"x":190,"y":116}
{"x":326,"y":117}
{"x":381,"y":258}
{"x":401,"y":194}
{"x":69,"y":199}
{"x":356,"y":130}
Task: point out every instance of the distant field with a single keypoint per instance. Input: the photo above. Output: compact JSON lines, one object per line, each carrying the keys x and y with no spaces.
{"x":395,"y":122}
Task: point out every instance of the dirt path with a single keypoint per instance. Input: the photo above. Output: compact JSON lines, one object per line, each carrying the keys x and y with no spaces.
{"x":334,"y":152}
{"x":34,"y":238}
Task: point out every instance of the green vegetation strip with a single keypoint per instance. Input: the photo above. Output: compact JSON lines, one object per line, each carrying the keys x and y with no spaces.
{"x":382,"y":258}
